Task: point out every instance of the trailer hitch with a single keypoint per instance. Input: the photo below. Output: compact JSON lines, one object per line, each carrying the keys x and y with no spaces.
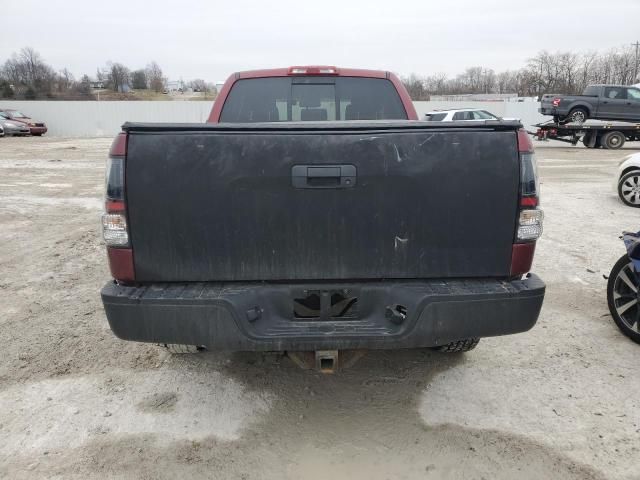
{"x":326,"y":361}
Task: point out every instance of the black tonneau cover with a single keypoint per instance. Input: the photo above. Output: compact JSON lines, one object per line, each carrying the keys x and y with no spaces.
{"x":322,"y":201}
{"x":351,"y":125}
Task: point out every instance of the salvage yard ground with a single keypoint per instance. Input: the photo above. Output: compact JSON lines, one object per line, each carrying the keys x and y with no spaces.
{"x":561,"y":401}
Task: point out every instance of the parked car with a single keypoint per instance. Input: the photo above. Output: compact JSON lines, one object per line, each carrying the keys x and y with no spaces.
{"x":622,"y":288}
{"x":462,"y":114}
{"x":35,"y":128}
{"x":598,"y":102}
{"x":292,"y":227}
{"x":627,"y":180}
{"x":12,"y":127}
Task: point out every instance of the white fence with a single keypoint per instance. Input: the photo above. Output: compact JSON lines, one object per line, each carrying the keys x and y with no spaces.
{"x":103,"y":119}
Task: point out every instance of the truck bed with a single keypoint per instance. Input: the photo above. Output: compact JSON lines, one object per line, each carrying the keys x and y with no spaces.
{"x":321,"y":201}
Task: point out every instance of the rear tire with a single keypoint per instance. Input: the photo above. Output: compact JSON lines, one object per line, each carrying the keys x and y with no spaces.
{"x":578,"y":115}
{"x":181,"y":349}
{"x":459,"y":346}
{"x":620,"y":294}
{"x":629,"y":189}
{"x":613,"y":140}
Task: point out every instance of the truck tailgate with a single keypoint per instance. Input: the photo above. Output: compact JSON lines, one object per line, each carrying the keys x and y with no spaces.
{"x":321,"y":202}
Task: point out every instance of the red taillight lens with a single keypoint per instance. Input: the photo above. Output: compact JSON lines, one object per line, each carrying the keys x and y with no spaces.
{"x":119,"y":146}
{"x":522,"y":258}
{"x":555,"y":102}
{"x":121,"y":264}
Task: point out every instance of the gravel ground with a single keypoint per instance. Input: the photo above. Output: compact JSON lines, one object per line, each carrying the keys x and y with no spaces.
{"x":561,"y":401}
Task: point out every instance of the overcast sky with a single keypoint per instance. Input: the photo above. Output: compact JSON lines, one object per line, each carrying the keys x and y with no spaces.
{"x":211,"y":39}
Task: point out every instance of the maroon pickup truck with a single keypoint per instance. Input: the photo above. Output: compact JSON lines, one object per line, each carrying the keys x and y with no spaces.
{"x":314,"y":213}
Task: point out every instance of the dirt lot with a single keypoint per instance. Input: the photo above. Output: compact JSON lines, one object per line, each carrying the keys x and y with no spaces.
{"x":561,"y":401}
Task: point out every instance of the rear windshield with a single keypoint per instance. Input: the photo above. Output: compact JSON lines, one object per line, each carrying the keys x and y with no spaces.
{"x":287,"y":99}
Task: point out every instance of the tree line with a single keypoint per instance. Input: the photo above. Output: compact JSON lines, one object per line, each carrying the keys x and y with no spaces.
{"x":561,"y":72}
{"x":25,"y":75}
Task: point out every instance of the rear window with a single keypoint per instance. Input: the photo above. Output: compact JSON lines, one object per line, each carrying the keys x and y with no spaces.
{"x":435,"y":117}
{"x":592,"y":90}
{"x":463,"y":116}
{"x":286,"y":99}
{"x":483,"y":115}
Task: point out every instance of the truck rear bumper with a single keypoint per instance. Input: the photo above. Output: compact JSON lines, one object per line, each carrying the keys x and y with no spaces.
{"x":260,"y":316}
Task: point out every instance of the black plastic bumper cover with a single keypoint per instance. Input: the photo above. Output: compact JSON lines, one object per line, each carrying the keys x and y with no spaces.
{"x":259,"y":316}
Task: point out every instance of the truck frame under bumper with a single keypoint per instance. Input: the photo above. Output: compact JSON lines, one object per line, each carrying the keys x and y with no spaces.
{"x":322,"y":316}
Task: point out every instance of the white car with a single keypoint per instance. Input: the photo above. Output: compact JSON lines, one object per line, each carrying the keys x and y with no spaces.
{"x":628,"y":180}
{"x":462,"y":114}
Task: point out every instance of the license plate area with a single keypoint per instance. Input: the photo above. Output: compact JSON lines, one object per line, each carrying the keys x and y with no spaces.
{"x":322,"y":305}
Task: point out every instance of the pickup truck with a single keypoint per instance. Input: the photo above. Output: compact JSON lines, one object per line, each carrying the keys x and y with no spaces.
{"x":598,"y":102}
{"x":314,"y":213}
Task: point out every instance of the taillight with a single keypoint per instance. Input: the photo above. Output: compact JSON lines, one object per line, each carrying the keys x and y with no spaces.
{"x":555,"y":102}
{"x":316,"y":70}
{"x":115,"y":230}
{"x":530,"y":216}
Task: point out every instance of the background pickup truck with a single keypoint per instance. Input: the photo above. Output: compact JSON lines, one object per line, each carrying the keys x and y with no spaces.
{"x":598,"y":102}
{"x":287,"y":235}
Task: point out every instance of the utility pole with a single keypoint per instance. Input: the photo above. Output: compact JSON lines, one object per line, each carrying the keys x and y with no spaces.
{"x":635,"y":70}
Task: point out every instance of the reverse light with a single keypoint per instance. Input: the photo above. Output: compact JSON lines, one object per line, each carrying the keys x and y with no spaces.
{"x":530,"y":224}
{"x":114,"y":230}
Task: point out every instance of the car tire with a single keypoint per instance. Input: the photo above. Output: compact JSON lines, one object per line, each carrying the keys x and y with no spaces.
{"x":578,"y":115}
{"x":459,"y":346}
{"x":613,"y":140}
{"x":181,"y":349}
{"x":629,"y":188}
{"x":36,"y":134}
{"x":627,"y":317}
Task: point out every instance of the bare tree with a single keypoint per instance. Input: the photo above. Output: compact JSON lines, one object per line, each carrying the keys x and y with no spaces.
{"x":199,"y":85}
{"x":27,"y":70}
{"x":66,"y":81}
{"x":416,"y":87}
{"x":154,"y":77}
{"x":118,"y":77}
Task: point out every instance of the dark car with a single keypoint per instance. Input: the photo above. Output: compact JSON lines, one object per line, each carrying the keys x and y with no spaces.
{"x":598,"y":102}
{"x":35,"y":128}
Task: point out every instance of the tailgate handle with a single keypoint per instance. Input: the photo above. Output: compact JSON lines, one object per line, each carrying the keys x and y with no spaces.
{"x":323,"y":176}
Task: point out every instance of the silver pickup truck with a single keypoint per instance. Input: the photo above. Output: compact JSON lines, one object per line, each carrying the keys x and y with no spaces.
{"x":598,"y":102}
